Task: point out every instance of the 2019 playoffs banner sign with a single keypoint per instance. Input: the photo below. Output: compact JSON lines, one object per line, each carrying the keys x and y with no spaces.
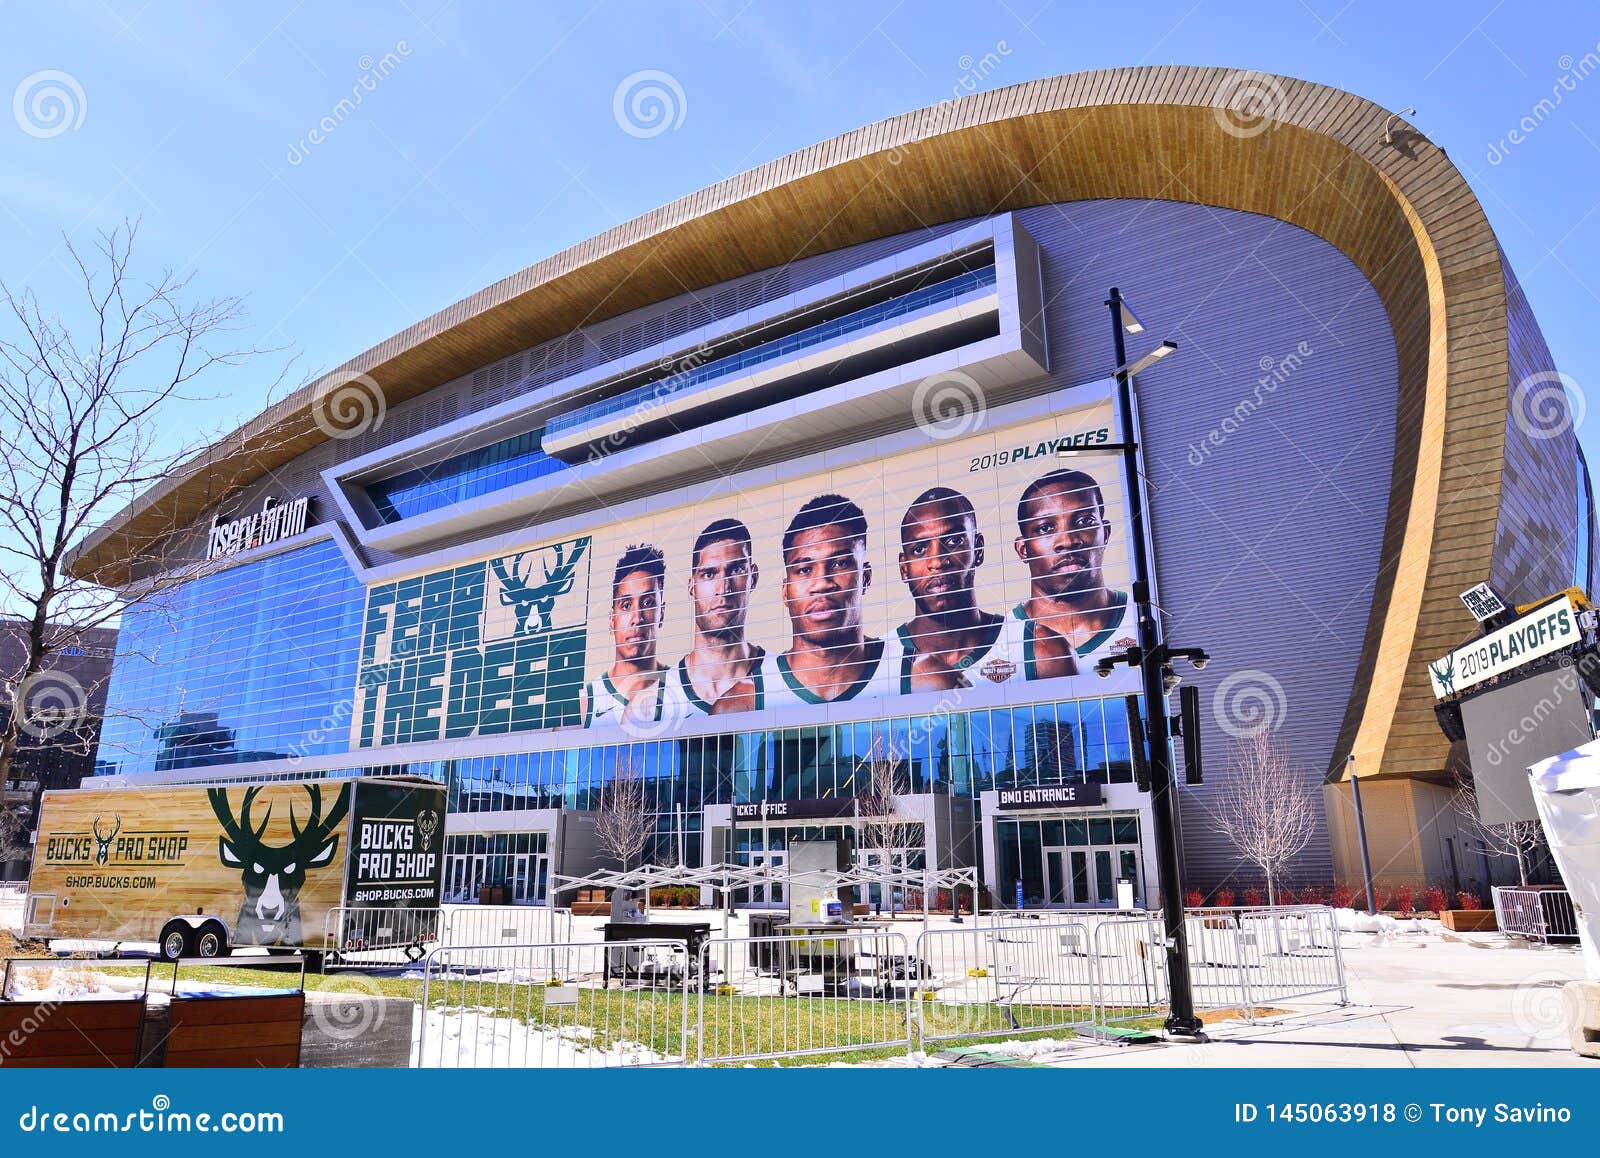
{"x":967,"y":565}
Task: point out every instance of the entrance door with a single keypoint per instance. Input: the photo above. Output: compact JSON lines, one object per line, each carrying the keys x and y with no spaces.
{"x":530,"y":878}
{"x":1086,"y":878}
{"x":455,"y":878}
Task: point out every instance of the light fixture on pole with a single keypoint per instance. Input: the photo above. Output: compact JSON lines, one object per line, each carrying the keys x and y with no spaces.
{"x":1153,"y":659}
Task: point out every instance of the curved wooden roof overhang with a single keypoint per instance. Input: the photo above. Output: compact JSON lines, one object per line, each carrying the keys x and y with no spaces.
{"x":1401,"y":212}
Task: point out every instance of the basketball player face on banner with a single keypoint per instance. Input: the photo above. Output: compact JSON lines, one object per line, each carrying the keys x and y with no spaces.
{"x":825,"y":580}
{"x":941,"y":550}
{"x":1062,"y":536}
{"x":722,"y":667}
{"x":631,"y":687}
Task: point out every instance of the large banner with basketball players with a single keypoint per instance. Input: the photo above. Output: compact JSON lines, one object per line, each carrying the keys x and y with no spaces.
{"x":964,"y":565}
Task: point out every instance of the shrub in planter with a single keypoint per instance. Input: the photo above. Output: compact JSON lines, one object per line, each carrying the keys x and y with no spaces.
{"x":1193,"y":898}
{"x":1404,"y":899}
{"x":1312,"y":895}
{"x":1436,"y":899}
{"x":1254,"y":897}
{"x":1285,"y":895}
{"x":1343,"y":895}
{"x":1468,"y":900}
{"x":1224,"y":898}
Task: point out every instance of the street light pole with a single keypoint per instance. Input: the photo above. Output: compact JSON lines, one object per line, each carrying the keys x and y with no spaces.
{"x":1152,"y":664}
{"x":1361,"y":835}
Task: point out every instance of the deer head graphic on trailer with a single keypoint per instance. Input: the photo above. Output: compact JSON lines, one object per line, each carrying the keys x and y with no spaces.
{"x":273,"y":875}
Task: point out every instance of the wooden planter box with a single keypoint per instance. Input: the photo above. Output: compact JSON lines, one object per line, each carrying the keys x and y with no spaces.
{"x":1468,"y":920}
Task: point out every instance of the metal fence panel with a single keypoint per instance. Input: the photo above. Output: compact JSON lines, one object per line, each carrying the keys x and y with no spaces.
{"x":1539,"y":914}
{"x":357,"y":938}
{"x":803,"y":995}
{"x":505,"y":925}
{"x":570,"y":1006}
{"x":1008,"y":978}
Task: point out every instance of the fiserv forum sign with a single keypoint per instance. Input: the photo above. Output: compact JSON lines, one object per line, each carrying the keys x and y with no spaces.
{"x":1549,"y":629}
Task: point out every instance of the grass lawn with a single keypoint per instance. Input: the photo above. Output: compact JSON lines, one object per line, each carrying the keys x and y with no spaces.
{"x":735,"y":1025}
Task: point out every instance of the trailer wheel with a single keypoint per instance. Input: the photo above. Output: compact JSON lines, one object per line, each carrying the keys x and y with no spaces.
{"x":177,"y":940}
{"x":211,"y":941}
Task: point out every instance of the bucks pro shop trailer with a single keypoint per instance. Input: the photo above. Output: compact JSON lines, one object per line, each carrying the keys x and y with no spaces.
{"x":201,"y":870}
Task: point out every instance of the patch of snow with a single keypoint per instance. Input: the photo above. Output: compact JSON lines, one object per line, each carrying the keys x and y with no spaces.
{"x":477,"y":1038}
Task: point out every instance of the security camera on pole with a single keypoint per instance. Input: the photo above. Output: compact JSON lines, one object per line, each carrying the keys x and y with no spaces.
{"x":1154,"y":660}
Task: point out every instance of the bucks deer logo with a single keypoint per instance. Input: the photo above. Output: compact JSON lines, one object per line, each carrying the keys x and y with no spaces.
{"x":1444,"y":671}
{"x":102,"y":844}
{"x":427,"y":825}
{"x":532,"y":598}
{"x":273,"y":875}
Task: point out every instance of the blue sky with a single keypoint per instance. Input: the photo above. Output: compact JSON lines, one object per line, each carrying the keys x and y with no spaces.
{"x":491,"y":141}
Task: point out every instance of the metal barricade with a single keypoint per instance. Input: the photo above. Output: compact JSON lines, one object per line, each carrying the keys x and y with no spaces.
{"x":1245,"y":958}
{"x":505,"y":925}
{"x":1010,"y":978}
{"x":802,"y":995}
{"x":554,"y":1006}
{"x":1536,"y":913}
{"x":362,"y":938}
{"x":1128,"y":955}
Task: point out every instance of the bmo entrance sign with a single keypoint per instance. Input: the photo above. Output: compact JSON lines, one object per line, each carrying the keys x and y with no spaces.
{"x":1050,"y":796}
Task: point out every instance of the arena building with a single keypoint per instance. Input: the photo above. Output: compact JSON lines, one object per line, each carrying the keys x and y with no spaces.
{"x":788,"y":452}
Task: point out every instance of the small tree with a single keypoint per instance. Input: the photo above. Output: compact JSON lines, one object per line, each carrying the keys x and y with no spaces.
{"x":881,"y":829}
{"x":1265,"y":809}
{"x":1517,"y":838}
{"x":622,"y":820}
{"x":88,"y":407}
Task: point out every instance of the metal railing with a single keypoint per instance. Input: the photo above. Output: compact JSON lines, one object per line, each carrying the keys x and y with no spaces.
{"x":1004,"y":980}
{"x":557,"y":1005}
{"x":1538,"y":913}
{"x":357,"y":938}
{"x":856,"y":992}
{"x":803,"y":995}
{"x":505,"y":925}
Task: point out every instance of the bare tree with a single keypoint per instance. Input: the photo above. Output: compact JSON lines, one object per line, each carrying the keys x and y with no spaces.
{"x":1265,"y":809}
{"x":1517,"y":838}
{"x":622,"y":820}
{"x":89,"y":408}
{"x":881,"y":829}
